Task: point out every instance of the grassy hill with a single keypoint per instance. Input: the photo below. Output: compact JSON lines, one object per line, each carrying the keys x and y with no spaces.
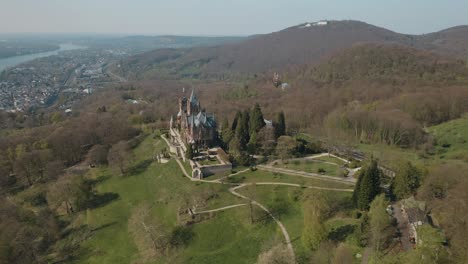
{"x":161,"y":187}
{"x":451,"y":139}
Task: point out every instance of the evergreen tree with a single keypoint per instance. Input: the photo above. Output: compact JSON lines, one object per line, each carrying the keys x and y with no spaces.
{"x":252,"y":146}
{"x":236,"y":121}
{"x":189,"y":153}
{"x":256,"y":121}
{"x":368,"y":186}
{"x":280,"y":125}
{"x":406,"y":181}
{"x":226,"y":133}
{"x":242,"y":130}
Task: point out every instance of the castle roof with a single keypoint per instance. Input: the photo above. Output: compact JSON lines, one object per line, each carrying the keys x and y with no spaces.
{"x":193,"y":98}
{"x":202,"y":120}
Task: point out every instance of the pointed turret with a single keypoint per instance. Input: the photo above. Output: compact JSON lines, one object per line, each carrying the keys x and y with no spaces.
{"x":193,"y":97}
{"x":193,"y":106}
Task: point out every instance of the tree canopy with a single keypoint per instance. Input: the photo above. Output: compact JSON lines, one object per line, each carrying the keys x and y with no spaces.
{"x":367,"y":186}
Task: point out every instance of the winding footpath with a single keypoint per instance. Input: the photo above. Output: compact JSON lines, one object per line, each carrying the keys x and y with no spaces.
{"x":347,"y":180}
{"x":278,"y":222}
{"x":236,"y":186}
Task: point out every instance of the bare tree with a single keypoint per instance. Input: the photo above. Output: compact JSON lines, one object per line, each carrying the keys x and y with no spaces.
{"x":120,"y":156}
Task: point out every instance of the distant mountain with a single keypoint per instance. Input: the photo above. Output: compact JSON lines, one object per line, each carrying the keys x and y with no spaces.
{"x":451,"y":42}
{"x":141,"y":43}
{"x":308,"y":43}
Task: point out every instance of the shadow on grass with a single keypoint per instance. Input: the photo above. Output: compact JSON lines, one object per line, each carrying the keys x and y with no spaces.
{"x":99,"y":200}
{"x":340,"y":233}
{"x":69,"y":248}
{"x":98,"y":180}
{"x":139,"y":167}
{"x":103,"y":226}
{"x":80,"y":231}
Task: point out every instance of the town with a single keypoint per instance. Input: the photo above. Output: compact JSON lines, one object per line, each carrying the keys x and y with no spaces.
{"x":70,"y":75}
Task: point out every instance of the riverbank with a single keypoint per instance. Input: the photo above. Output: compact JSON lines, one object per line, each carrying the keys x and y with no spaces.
{"x":9,"y":62}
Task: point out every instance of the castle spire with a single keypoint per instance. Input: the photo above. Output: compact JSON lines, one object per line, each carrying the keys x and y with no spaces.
{"x":192,"y":96}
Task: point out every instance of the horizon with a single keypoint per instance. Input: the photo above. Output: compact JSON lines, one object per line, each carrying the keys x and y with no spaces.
{"x":212,"y":18}
{"x":149,"y":34}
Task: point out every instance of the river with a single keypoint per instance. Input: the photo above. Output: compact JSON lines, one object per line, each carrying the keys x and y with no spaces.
{"x":13,"y":61}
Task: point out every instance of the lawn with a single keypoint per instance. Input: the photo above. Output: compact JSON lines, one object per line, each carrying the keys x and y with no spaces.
{"x":227,"y":238}
{"x":391,"y":156}
{"x":452,"y":139}
{"x":330,"y":159}
{"x":293,"y":218}
{"x":312,"y":166}
{"x":209,"y":162}
{"x":267,"y":176}
{"x":451,"y":146}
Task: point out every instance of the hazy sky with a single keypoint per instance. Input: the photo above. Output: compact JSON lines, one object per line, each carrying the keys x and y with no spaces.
{"x":222,"y":17}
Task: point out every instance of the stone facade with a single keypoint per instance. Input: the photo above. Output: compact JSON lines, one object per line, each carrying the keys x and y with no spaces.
{"x":195,"y":126}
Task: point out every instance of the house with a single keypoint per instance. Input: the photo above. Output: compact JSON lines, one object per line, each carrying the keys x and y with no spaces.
{"x":321,"y":23}
{"x":415,"y":212}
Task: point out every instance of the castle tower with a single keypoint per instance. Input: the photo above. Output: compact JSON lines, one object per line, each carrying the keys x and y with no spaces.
{"x":193,"y":105}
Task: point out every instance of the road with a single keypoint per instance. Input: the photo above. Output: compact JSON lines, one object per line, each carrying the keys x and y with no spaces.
{"x":403,"y":227}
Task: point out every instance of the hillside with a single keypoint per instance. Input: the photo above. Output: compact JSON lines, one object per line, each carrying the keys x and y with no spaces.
{"x":302,"y":44}
{"x":386,"y":62}
{"x":451,"y":42}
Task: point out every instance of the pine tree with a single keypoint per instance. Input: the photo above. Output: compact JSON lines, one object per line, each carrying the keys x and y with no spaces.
{"x":368,"y":186}
{"x":253,"y":145}
{"x":226,"y":133}
{"x":280,"y":125}
{"x":256,"y":121}
{"x":242,"y":130}
{"x":236,"y":121}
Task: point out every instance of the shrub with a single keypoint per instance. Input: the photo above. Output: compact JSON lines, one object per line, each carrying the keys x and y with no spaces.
{"x":37,"y":199}
{"x":181,"y":236}
{"x":344,"y":173}
{"x":354,"y":164}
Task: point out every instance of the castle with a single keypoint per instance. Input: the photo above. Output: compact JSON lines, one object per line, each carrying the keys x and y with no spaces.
{"x":195,"y":126}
